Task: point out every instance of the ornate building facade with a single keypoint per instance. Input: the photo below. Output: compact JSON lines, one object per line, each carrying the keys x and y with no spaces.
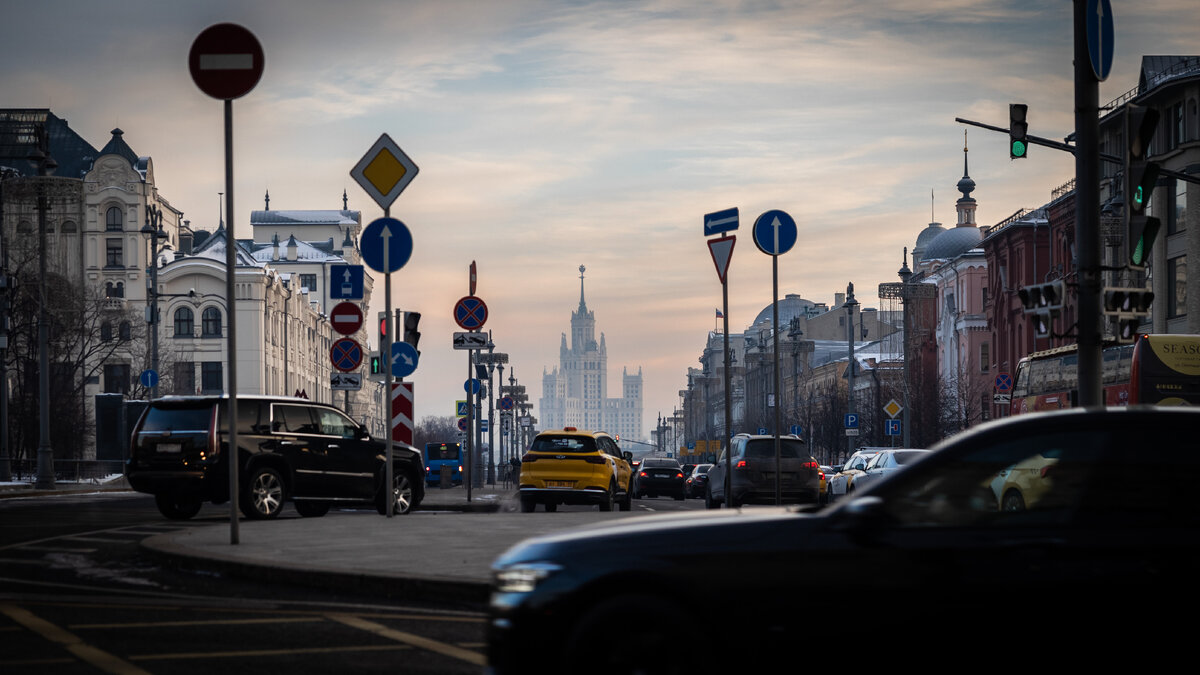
{"x":575,"y":393}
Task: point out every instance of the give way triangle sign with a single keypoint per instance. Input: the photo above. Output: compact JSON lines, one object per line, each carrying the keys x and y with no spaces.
{"x":721,"y":250}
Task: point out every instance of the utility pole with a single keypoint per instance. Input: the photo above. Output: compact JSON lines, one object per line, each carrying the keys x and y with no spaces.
{"x":1087,"y":213}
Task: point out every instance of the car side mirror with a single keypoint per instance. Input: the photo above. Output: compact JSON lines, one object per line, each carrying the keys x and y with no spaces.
{"x":628,"y":456}
{"x":363,"y":434}
{"x":861,"y":516}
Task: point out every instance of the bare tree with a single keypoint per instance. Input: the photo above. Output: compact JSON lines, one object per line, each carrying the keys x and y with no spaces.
{"x":434,"y":429}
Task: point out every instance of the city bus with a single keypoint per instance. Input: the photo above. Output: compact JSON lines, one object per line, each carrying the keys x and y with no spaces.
{"x":1155,"y":370}
{"x":438,"y":455}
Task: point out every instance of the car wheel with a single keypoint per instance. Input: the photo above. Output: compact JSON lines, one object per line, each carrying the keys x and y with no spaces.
{"x":310,"y":508}
{"x":709,"y":502}
{"x":607,"y":501}
{"x":551,"y":507}
{"x":1013,"y":501}
{"x":176,"y":508}
{"x":401,"y":493}
{"x":626,"y":503}
{"x":680,"y":497}
{"x":264,"y":495}
{"x":527,"y":505}
{"x":656,"y":649}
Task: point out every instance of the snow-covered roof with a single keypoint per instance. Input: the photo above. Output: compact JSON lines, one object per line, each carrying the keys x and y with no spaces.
{"x":305,"y":217}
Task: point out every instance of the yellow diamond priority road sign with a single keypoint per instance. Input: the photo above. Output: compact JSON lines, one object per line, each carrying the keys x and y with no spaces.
{"x":384,"y":171}
{"x":893,"y":408}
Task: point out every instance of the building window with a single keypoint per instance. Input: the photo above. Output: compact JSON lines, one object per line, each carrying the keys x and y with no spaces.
{"x":116,"y":290}
{"x":125,"y":331}
{"x":210,"y":378}
{"x":1177,"y":217}
{"x":185,"y":378}
{"x":116,"y":378}
{"x":183,"y":322}
{"x":984,"y":358}
{"x":210,"y":323}
{"x":114,"y":253}
{"x":113,"y":220}
{"x":106,"y":333}
{"x":1177,"y":287}
{"x":309,"y":281}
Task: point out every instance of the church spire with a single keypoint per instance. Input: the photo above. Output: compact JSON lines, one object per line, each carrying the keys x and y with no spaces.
{"x":966,"y":204}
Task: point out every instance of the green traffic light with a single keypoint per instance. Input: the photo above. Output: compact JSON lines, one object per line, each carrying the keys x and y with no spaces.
{"x":1018,"y":149}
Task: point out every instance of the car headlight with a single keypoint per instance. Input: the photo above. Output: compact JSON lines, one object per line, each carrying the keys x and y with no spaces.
{"x":523,"y":577}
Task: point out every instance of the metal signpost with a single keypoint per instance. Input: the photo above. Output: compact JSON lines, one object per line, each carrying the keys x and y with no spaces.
{"x":470,"y":313}
{"x":386,"y":245}
{"x":226,"y":62}
{"x":775,"y":234}
{"x":721,"y":250}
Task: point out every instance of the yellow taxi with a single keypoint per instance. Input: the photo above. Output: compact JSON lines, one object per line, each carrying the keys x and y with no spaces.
{"x":572,"y":466}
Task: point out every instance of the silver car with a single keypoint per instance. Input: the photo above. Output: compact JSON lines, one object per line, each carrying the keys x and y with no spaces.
{"x":884,"y":464}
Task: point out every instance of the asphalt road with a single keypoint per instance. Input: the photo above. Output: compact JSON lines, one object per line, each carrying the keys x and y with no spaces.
{"x":78,"y":594}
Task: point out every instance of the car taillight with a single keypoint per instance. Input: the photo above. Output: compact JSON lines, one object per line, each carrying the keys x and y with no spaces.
{"x":740,"y":465}
{"x":528,"y":457}
{"x":812,"y":465}
{"x":820,"y":474}
{"x":594,"y":459}
{"x":679,"y":474}
{"x":642,"y":474}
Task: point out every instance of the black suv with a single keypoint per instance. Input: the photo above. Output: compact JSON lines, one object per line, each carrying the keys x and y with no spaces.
{"x":288,"y":449}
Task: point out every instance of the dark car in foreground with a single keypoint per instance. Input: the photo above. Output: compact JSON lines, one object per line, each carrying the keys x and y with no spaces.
{"x":289,"y":449}
{"x":1090,"y":569}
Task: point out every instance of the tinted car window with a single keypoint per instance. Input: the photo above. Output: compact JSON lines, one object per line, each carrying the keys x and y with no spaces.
{"x":177,"y":419}
{"x":669,"y":463}
{"x":703,"y":468}
{"x":960,"y":493}
{"x":294,"y":419}
{"x":906,"y":457}
{"x":334,"y":423}
{"x":563,"y":444}
{"x":764,"y":448}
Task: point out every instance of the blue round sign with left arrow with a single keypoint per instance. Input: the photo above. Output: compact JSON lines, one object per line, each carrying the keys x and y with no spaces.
{"x":386,"y":245}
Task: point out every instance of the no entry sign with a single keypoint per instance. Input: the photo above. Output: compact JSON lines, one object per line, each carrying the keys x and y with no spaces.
{"x":226,"y":61}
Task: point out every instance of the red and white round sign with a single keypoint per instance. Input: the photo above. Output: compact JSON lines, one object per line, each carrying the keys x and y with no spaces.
{"x":346,"y":318}
{"x":226,"y":61}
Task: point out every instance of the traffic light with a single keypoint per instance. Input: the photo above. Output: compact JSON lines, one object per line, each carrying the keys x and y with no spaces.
{"x":1043,"y":302}
{"x":383,"y":329}
{"x":376,"y":364}
{"x":1018,"y":131}
{"x":1126,"y":309}
{"x":1141,"y":175}
{"x":411,"y":335}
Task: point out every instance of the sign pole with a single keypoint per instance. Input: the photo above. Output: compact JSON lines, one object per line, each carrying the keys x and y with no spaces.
{"x":231,"y":336}
{"x":386,"y":349}
{"x":775,"y":348}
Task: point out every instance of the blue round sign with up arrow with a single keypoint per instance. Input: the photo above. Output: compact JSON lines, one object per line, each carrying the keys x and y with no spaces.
{"x":775,"y":233}
{"x":386,"y":245}
{"x":404,"y":359}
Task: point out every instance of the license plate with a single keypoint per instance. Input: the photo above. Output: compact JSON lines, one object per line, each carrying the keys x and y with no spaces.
{"x":169,"y":447}
{"x":560,"y":483}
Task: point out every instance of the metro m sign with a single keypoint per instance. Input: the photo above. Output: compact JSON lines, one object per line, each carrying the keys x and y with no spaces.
{"x":226,"y":61}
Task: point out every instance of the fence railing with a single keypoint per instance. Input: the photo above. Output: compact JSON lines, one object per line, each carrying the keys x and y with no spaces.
{"x":95,"y":471}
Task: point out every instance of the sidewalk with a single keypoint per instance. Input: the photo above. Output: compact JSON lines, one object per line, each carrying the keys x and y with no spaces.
{"x":441,"y":552}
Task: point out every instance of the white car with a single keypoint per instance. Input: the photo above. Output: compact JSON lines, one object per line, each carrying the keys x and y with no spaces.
{"x":884,"y":464}
{"x":855,"y":465}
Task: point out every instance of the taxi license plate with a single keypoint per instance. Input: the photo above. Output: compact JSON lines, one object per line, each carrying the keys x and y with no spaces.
{"x":560,"y":483}
{"x":169,"y":447}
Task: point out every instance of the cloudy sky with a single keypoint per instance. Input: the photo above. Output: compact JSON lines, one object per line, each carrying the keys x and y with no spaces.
{"x":554,"y":134}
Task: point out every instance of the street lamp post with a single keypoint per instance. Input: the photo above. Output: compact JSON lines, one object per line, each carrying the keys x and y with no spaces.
{"x":45,"y":453}
{"x":153,"y":230}
{"x":850,"y":305}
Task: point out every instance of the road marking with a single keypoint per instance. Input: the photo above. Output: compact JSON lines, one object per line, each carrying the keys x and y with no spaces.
{"x":467,"y":655}
{"x":212,"y":622}
{"x":96,"y":657}
{"x":181,"y":656}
